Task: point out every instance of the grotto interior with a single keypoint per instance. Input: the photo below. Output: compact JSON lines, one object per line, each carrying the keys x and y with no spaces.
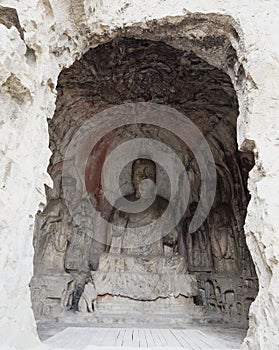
{"x":192,"y":276}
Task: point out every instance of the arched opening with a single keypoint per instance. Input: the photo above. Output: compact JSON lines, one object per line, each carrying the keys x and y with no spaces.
{"x":179,"y":75}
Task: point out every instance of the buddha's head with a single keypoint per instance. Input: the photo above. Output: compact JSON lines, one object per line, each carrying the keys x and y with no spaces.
{"x":143,"y":169}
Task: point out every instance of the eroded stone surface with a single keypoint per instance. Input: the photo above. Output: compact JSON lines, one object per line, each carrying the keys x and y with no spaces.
{"x":126,"y":70}
{"x":58,"y":34}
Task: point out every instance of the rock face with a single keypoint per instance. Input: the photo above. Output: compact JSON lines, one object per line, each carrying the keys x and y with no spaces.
{"x":40,"y":38}
{"x":125,"y":70}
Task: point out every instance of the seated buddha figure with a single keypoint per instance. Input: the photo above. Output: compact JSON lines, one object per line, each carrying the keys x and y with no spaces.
{"x":142,"y":260}
{"x":141,"y":239}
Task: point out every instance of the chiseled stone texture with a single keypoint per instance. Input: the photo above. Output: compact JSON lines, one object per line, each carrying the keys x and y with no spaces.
{"x":43,"y":36}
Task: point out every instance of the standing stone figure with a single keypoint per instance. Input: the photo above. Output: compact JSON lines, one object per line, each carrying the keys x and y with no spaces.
{"x":77,"y":254}
{"x":198,"y":246}
{"x":223,"y":242}
{"x":58,"y":233}
{"x":55,"y":230}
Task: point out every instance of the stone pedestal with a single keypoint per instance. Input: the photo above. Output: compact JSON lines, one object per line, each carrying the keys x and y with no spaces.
{"x":51,"y":294}
{"x":143,"y":278}
{"x":157,"y":288}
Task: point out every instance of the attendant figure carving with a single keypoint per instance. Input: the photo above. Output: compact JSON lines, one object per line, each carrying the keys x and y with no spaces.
{"x":198,"y":245}
{"x":223,"y":242}
{"x":77,"y":254}
{"x":55,"y":231}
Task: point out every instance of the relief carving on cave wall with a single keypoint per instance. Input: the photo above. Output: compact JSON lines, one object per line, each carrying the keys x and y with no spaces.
{"x":71,"y":263}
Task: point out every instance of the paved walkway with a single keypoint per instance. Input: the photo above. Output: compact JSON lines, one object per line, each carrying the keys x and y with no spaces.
{"x":87,"y":338}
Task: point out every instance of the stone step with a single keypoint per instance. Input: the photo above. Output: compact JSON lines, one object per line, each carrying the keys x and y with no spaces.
{"x":149,"y":320}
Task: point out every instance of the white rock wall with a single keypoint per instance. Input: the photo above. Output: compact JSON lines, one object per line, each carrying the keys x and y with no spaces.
{"x":58,"y":32}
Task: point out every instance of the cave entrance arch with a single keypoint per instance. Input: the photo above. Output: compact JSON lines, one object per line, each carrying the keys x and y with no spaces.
{"x":193,"y":75}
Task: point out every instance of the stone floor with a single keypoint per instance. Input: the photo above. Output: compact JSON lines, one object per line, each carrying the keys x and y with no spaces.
{"x":190,"y":338}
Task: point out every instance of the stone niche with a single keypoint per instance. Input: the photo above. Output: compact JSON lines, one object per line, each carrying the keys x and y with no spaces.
{"x":213,"y":271}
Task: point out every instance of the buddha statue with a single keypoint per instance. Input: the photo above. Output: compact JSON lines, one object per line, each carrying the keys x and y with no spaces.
{"x":140,"y":241}
{"x":142,"y":261}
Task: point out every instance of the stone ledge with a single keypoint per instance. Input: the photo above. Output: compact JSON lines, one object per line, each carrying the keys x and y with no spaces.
{"x":144,"y":286}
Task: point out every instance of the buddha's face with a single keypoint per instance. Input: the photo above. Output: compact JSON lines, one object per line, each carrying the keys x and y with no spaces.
{"x":143,"y":171}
